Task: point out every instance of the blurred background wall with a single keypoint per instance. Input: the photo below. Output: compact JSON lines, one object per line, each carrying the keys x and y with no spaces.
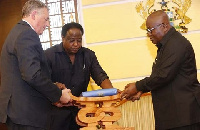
{"x":10,"y":14}
{"x":112,"y":30}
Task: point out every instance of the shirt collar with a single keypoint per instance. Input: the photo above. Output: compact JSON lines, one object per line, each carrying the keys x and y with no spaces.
{"x":28,"y":24}
{"x":159,"y":45}
{"x":167,"y":36}
{"x":60,"y":48}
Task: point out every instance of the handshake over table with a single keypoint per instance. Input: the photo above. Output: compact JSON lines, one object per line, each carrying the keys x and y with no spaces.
{"x":130,"y":93}
{"x":65,"y":99}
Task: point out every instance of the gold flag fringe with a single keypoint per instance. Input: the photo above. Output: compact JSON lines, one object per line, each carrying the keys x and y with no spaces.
{"x":138,"y":114}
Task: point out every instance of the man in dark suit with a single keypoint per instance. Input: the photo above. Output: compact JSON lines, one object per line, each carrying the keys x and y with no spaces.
{"x":26,"y":92}
{"x":173,"y":81}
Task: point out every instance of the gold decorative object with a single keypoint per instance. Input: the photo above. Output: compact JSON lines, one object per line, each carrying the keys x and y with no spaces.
{"x":99,"y":112}
{"x":178,"y":13}
{"x":144,"y":11}
{"x":183,"y":6}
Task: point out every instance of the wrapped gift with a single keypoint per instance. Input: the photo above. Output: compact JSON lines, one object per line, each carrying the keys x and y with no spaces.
{"x":100,"y":93}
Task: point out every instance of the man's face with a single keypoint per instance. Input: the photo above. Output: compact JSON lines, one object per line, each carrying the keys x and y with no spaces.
{"x":41,"y":20}
{"x":72,"y":41}
{"x":155,"y":30}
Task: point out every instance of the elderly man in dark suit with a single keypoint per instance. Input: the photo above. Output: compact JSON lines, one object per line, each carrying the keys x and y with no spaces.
{"x":173,"y":81}
{"x":26,"y":92}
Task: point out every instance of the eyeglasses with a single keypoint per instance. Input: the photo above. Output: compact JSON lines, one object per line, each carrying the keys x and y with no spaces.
{"x":149,"y":30}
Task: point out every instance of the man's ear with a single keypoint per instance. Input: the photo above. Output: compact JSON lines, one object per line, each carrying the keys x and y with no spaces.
{"x":33,"y":14}
{"x":63,"y":38}
{"x":165,"y":26}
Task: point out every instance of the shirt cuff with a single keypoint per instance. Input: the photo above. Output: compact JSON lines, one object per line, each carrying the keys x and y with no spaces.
{"x":139,"y":86}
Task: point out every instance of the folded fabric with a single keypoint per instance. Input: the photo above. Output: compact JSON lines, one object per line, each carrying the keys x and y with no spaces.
{"x":100,"y":93}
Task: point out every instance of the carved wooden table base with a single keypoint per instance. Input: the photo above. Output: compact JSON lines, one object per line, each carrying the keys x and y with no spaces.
{"x":99,"y":112}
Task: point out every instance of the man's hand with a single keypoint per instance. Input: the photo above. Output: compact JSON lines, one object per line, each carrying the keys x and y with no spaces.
{"x":129,"y":91}
{"x":65,"y":98}
{"x":60,"y":85}
{"x":59,"y":104}
{"x":136,"y":96}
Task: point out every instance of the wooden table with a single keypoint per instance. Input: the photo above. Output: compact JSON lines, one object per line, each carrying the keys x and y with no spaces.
{"x":99,"y":112}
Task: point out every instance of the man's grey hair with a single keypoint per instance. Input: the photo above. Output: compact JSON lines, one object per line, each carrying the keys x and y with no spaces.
{"x":32,"y":5}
